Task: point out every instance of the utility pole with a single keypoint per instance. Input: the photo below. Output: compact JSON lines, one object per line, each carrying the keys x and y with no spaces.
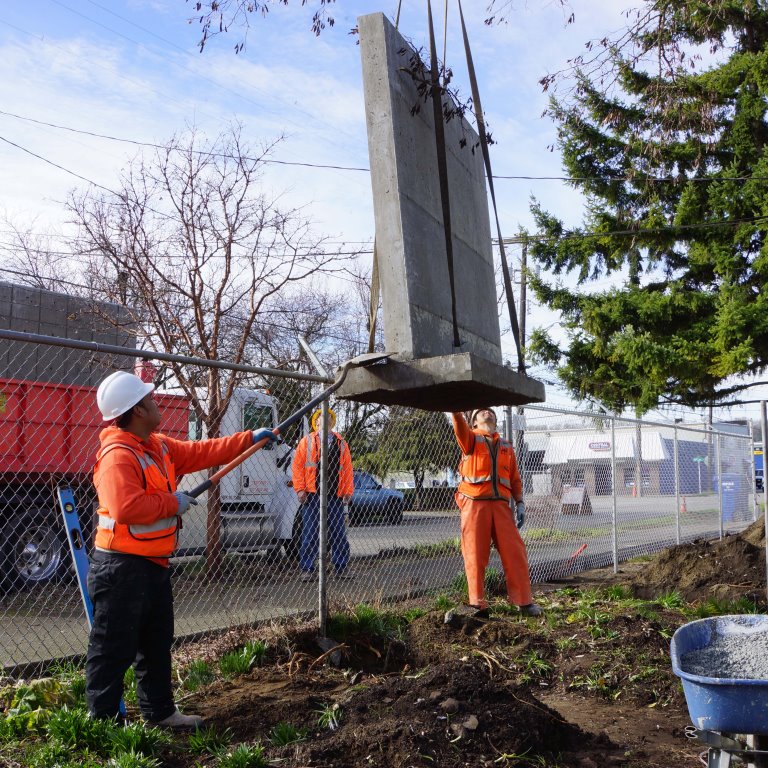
{"x":520,"y":443}
{"x":520,"y":433}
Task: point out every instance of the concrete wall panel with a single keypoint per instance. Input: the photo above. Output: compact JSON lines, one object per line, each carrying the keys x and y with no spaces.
{"x":408,"y":211}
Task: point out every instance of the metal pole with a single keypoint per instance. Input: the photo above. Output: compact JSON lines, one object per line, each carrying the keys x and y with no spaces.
{"x":677,"y":487}
{"x":323,"y":537}
{"x":720,"y":480}
{"x":322,"y":559}
{"x":764,"y":428}
{"x":614,"y":515}
{"x":752,"y":474}
{"x":148,"y":354}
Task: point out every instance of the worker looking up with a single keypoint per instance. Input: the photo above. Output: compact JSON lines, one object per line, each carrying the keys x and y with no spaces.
{"x":306,"y":483}
{"x":139,"y":517}
{"x":490,"y":486}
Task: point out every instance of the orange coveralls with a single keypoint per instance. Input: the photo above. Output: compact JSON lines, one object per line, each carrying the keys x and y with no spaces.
{"x":483,"y":497}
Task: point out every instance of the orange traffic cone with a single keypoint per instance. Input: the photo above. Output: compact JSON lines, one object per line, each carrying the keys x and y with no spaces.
{"x":683,"y":506}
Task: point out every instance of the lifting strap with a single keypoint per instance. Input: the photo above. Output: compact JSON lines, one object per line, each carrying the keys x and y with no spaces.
{"x":487,"y":159}
{"x":442,"y":168}
{"x":373,"y":310}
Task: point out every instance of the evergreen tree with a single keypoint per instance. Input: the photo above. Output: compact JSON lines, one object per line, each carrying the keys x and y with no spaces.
{"x":665,"y":134}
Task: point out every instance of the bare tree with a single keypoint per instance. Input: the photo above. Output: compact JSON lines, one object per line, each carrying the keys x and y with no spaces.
{"x":218,"y":16}
{"x":30,"y":258}
{"x":197,"y":252}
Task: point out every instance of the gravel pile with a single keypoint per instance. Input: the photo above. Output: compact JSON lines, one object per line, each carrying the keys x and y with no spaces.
{"x":738,"y":650}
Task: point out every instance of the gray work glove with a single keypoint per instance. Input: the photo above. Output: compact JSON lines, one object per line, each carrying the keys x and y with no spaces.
{"x":185,"y":502}
{"x":260,"y":434}
{"x":520,"y":514}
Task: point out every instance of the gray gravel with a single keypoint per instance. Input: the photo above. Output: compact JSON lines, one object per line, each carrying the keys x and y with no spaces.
{"x":738,"y":650}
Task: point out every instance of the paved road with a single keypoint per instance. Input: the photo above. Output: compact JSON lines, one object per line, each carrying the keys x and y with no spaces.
{"x":48,"y":622}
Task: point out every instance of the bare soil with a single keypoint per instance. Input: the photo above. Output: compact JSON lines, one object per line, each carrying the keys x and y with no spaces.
{"x":580,"y":687}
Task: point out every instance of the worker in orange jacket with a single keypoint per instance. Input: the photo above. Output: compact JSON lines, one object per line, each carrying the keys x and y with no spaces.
{"x":490,"y":497}
{"x":139,"y":517}
{"x":306,"y":483}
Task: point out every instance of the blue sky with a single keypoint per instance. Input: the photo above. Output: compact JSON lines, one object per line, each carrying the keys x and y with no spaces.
{"x":132,"y":70}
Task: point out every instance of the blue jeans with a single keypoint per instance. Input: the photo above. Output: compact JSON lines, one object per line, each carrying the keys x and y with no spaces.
{"x":310,"y":533}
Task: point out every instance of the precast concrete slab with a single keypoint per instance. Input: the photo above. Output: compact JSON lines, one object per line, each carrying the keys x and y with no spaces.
{"x":444,"y":383}
{"x":419,"y":309}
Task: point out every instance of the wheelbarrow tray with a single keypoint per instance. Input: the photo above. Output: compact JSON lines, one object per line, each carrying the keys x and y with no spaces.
{"x":727,"y":705}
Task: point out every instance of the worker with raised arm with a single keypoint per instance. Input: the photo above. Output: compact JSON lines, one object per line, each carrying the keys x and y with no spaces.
{"x":306,"y":483}
{"x":139,"y":516}
{"x":490,"y":497}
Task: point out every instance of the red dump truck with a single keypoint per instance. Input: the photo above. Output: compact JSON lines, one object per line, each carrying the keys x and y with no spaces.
{"x":49,"y":439}
{"x":49,"y":427}
{"x":49,"y":435}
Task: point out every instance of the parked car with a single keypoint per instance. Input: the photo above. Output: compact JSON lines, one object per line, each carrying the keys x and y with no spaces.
{"x":372,"y":503}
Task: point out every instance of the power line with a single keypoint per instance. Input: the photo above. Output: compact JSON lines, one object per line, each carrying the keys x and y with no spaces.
{"x":304,"y":254}
{"x":507,"y":241}
{"x":202,"y":153}
{"x":650,"y":230}
{"x":617,"y":179}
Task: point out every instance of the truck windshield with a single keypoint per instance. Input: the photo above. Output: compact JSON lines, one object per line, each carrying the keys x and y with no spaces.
{"x":257,"y":416}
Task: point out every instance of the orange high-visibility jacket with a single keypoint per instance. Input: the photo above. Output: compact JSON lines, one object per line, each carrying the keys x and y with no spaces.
{"x":135,"y":480}
{"x":306,"y":465}
{"x":488,"y":465}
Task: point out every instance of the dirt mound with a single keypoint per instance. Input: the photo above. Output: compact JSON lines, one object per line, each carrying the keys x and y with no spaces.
{"x":724,"y":571}
{"x":453,"y":715}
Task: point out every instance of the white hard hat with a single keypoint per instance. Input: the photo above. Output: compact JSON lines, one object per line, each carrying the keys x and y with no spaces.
{"x":119,"y":392}
{"x":473,"y":414}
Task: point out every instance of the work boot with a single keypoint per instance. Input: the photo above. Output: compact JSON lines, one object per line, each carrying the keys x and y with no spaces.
{"x":307,"y":576}
{"x":531,"y":610}
{"x":179,"y":722}
{"x":345,"y":575}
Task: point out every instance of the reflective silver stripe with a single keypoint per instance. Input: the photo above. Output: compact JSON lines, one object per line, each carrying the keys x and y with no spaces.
{"x":308,"y":464}
{"x":505,"y":483}
{"x":159,"y":525}
{"x":481,"y":479}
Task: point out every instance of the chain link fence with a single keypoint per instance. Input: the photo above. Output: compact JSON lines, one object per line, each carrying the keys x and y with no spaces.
{"x":598,"y":491}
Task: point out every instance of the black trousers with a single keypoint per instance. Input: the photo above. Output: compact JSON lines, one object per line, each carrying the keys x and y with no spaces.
{"x":132,"y":625}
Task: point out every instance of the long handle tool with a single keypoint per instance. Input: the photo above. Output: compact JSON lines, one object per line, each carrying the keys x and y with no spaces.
{"x":359,"y":361}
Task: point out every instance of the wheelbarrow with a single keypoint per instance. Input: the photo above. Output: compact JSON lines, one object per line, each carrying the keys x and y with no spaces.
{"x":729,"y":714}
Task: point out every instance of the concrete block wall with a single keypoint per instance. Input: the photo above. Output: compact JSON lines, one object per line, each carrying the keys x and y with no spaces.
{"x":49,"y":313}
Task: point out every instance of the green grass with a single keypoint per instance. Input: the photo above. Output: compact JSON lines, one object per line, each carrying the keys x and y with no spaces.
{"x":197,"y":674}
{"x":242,"y":756}
{"x":286,"y":733}
{"x":129,"y":687}
{"x":139,"y":739}
{"x":494,"y":583}
{"x":75,"y":730}
{"x":447,"y":547}
{"x":243,"y":660}
{"x":366,"y":620}
{"x":329,"y":717}
{"x":133,"y":760}
{"x":209,"y":741}
{"x":722,"y":608}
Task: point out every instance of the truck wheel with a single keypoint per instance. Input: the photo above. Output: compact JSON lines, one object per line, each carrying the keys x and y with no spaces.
{"x":292,"y":546}
{"x":34,"y":550}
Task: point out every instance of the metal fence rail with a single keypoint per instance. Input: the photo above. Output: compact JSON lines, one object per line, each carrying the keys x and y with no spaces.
{"x":598,"y":490}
